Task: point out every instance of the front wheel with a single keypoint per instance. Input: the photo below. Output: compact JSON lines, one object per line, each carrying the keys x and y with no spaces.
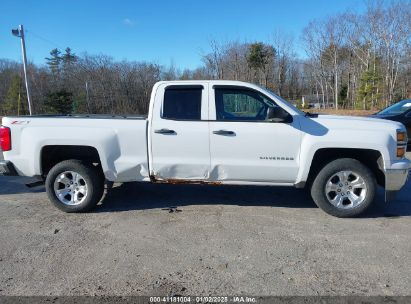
{"x":73,"y":186}
{"x":344,"y":188}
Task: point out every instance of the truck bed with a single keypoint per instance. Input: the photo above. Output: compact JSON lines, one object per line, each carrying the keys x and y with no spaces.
{"x":121,"y":142}
{"x":92,"y":116}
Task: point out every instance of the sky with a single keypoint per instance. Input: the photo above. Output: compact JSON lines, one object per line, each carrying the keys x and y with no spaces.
{"x":164,"y":32}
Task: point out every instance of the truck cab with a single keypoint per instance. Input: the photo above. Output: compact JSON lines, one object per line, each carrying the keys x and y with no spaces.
{"x":219,"y":132}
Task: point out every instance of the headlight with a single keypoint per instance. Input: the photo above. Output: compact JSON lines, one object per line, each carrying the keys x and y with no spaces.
{"x":401,"y":143}
{"x":401,"y":137}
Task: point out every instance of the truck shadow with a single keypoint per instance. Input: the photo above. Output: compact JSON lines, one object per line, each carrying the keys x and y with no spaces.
{"x":16,"y":185}
{"x":142,"y":196}
{"x":138,"y":196}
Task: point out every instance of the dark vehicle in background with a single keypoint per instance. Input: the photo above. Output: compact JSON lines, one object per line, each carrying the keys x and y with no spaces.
{"x":401,"y":112}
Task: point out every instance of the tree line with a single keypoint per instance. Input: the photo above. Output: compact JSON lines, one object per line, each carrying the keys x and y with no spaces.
{"x":351,"y":61}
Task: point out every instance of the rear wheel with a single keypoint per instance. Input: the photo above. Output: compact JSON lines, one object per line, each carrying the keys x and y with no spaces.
{"x":344,"y":188}
{"x":73,"y":186}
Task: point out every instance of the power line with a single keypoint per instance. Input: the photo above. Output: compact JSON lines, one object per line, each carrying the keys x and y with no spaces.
{"x":44,"y":39}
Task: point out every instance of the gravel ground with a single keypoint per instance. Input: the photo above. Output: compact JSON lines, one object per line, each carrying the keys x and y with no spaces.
{"x":199,"y":240}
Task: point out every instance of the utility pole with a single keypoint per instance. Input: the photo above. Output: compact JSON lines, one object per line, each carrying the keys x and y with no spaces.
{"x":20,"y":33}
{"x":87,"y":99}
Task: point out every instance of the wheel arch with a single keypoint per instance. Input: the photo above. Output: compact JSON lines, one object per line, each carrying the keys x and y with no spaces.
{"x":372,"y":159}
{"x":50,"y":155}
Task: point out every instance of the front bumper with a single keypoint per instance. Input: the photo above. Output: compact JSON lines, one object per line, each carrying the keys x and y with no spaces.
{"x":397,"y":175}
{"x":7,"y":168}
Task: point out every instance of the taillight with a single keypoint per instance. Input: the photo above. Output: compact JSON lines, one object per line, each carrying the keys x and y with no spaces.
{"x":5,"y":139}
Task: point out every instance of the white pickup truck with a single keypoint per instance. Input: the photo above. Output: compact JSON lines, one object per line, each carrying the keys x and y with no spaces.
{"x":210,"y":132}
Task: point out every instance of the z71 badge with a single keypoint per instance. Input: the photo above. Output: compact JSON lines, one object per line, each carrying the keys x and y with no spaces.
{"x":20,"y":122}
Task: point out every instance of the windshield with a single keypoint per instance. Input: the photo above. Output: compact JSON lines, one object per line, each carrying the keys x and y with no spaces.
{"x":398,"y":108}
{"x":283,"y":100}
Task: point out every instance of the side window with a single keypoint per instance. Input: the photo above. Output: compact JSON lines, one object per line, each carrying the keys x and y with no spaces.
{"x":240,"y":105}
{"x":182,"y":103}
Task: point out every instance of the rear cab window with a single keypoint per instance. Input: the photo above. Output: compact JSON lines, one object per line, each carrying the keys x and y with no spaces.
{"x":182,"y":103}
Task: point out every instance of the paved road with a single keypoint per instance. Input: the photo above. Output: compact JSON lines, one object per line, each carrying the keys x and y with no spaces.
{"x":220,"y":240}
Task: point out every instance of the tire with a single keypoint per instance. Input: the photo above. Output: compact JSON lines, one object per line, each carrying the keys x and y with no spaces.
{"x":344,"y":188}
{"x":73,"y":186}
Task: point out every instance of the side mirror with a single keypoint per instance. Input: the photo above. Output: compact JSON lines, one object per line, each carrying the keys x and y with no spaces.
{"x":278,"y":114}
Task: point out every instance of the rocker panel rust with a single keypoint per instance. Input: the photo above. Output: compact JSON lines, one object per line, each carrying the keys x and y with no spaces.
{"x":174,"y":181}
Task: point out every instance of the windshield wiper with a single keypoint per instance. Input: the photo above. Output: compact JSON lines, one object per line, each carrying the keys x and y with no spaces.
{"x":308,"y":114}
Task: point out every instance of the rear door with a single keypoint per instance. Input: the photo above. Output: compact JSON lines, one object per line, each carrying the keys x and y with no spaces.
{"x":179,"y":134}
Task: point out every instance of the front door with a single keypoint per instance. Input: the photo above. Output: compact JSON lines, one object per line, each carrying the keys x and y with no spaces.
{"x":179,"y":135}
{"x":244,"y":146}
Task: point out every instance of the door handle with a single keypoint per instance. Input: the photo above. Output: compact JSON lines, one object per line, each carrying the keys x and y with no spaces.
{"x":165,"y":131}
{"x":224,"y":132}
